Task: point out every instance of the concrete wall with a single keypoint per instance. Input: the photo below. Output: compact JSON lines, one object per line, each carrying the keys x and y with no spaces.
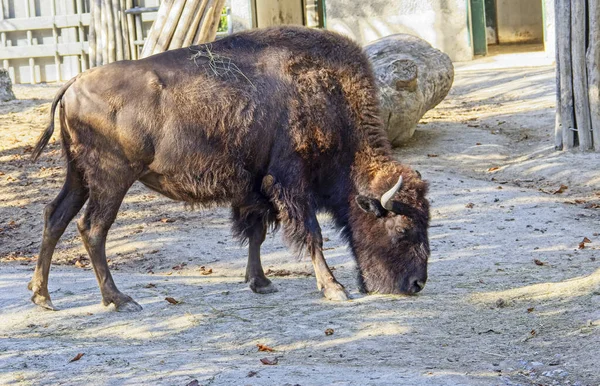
{"x":443,"y":23}
{"x":520,"y":21}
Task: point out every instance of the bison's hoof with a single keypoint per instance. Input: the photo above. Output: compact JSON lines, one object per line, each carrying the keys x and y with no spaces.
{"x":123,"y":303}
{"x":335,"y":292}
{"x":43,"y":301}
{"x":262,"y":286}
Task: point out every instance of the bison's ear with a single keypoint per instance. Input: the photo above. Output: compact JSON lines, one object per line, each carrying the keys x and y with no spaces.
{"x":371,"y":205}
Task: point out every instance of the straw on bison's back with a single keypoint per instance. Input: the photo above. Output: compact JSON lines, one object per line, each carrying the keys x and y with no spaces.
{"x":279,"y":123}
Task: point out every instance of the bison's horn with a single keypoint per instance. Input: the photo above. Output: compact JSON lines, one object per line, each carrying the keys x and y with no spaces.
{"x":386,"y":198}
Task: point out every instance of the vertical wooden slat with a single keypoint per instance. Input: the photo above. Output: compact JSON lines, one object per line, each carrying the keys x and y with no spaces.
{"x":116,"y":8}
{"x":563,"y":8}
{"x":580,"y":93}
{"x":208,"y":11}
{"x":593,"y":66}
{"x":211,"y":32}
{"x":169,"y":28}
{"x":125,"y":31}
{"x":131,"y":31}
{"x":97,"y":22}
{"x":157,"y":26}
{"x":5,"y":63}
{"x":110,"y":30}
{"x":191,"y":33}
{"x":55,"y":39}
{"x":81,"y":30}
{"x":187,"y":15}
{"x":92,"y":36}
{"x":30,"y":43}
{"x":558,"y":136}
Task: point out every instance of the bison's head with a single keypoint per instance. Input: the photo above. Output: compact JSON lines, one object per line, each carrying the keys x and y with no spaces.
{"x":389,"y":234}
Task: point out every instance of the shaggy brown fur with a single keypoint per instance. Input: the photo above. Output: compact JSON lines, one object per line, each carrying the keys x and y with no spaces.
{"x":279,"y":123}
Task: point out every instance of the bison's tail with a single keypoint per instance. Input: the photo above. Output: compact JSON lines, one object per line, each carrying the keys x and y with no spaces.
{"x":47,"y":134}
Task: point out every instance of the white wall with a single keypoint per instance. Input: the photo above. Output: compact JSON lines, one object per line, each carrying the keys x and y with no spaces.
{"x":520,"y":21}
{"x":443,"y":23}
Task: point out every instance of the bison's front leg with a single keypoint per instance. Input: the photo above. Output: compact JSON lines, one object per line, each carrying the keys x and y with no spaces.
{"x":299,"y":219}
{"x":94,"y":225}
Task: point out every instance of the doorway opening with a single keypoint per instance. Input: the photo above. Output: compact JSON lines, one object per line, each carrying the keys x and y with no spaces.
{"x":505,"y":26}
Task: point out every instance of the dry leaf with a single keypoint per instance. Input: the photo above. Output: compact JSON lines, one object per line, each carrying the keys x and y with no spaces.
{"x":167,"y":220}
{"x":538,"y":262}
{"x":432,"y":155}
{"x":478,"y":143}
{"x":285,"y":272}
{"x":179,"y":267}
{"x":77,"y":357}
{"x":586,"y":240}
{"x":581,"y":245}
{"x":470,"y":205}
{"x":205,"y":271}
{"x":150,"y":285}
{"x":530,"y":309}
{"x":329,"y":331}
{"x":561,"y":189}
{"x":171,"y":300}
{"x":264,"y":347}
{"x":493,"y":168}
{"x":269,"y":362}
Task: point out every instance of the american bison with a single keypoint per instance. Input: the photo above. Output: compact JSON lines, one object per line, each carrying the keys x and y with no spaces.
{"x":279,"y":123}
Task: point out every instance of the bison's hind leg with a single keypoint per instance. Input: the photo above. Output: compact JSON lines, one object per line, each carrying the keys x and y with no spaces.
{"x":58,"y":214}
{"x":250,"y":223}
{"x":106,"y":194}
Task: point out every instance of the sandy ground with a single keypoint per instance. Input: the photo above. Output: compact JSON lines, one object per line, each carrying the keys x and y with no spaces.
{"x":489,"y":315}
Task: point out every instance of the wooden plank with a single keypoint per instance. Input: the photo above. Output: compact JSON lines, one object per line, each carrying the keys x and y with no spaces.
{"x":44,"y":22}
{"x":580,"y":90}
{"x":110,"y":25}
{"x":563,"y":8}
{"x":55,"y":38}
{"x":593,"y":66}
{"x":41,"y":51}
{"x":96,"y":20}
{"x":80,"y":28}
{"x":157,"y":26}
{"x":92,"y":35}
{"x":169,"y":28}
{"x":125,"y":30}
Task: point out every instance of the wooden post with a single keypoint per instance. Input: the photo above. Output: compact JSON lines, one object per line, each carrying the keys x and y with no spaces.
{"x":211,"y":33}
{"x":191,"y":33}
{"x":558,"y":136}
{"x":116,"y":10}
{"x":157,"y":26}
{"x":131,"y":31}
{"x":580,"y":90}
{"x":206,"y":19}
{"x":563,"y":9}
{"x":187,"y":16}
{"x":169,"y":28}
{"x":593,"y":67}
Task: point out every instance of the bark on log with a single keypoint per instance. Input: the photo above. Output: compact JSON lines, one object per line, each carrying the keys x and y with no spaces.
{"x":580,"y":90}
{"x":131,"y":31}
{"x":413,"y":77}
{"x":206,"y":18}
{"x":593,"y":67}
{"x":116,"y":10}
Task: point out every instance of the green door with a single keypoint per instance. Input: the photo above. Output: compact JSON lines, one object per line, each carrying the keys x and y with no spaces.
{"x":478,"y":27}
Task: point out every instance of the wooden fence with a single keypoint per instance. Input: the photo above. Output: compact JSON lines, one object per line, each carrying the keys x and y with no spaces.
{"x":46,"y":40}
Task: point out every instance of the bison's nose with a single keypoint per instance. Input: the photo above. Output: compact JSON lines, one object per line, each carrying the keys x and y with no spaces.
{"x":414,"y":285}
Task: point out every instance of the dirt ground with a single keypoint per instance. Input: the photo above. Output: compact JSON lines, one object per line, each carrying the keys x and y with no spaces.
{"x":513,"y":296}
